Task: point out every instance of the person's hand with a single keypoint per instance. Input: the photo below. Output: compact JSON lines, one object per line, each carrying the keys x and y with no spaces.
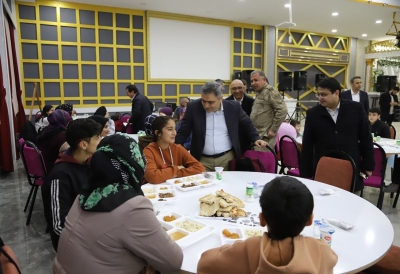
{"x":260,"y":143}
{"x":271,"y":134}
{"x":180,"y":167}
{"x":369,"y":173}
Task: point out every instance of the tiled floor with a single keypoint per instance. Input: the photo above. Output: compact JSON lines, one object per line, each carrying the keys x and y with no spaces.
{"x":32,"y":245}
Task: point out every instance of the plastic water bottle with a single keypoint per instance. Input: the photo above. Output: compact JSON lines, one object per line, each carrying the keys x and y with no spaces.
{"x":255,"y":189}
{"x":249,"y":193}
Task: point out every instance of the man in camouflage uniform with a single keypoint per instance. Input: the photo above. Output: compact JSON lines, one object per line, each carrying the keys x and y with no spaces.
{"x":269,"y":109}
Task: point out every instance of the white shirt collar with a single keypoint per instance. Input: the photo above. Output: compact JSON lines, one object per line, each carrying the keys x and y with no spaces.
{"x":352,"y":92}
{"x":337,"y":108}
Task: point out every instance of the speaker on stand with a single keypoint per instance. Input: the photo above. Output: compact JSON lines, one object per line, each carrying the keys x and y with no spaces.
{"x":319,"y":77}
{"x":285,"y":81}
{"x":299,"y":83}
{"x":392,"y":82}
{"x":383,"y":83}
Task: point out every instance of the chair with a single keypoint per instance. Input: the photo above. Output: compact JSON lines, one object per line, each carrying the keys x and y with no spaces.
{"x":392,"y":132}
{"x":389,"y":264}
{"x":377,"y":179}
{"x":337,"y":168}
{"x":290,"y":156}
{"x":267,"y":158}
{"x":125,"y":117}
{"x":35,"y":171}
{"x":129,"y":129}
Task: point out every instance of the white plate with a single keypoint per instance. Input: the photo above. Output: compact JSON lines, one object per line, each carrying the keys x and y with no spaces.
{"x":168,"y":213}
{"x":179,"y":186}
{"x":187,"y":179}
{"x":206,"y":182}
{"x":166,"y":199}
{"x":226,"y":240}
{"x":256,"y":231}
{"x":179,"y":224}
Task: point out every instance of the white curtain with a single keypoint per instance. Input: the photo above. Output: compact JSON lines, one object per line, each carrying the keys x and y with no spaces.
{"x":392,"y":71}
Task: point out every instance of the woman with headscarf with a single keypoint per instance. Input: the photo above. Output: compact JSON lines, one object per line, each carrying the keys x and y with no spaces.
{"x":41,"y":121}
{"x":111,"y":227}
{"x":144,"y":141}
{"x":53,"y":137}
{"x":102,"y":111}
{"x":103,"y":122}
{"x":68,"y":108}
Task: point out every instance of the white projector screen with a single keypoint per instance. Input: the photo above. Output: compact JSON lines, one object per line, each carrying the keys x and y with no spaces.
{"x":186,"y":50}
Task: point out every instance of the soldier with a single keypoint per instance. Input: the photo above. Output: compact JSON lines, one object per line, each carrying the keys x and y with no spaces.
{"x":269,"y":109}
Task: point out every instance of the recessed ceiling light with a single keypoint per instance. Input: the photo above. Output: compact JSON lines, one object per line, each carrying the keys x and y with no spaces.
{"x":335,"y":14}
{"x":287,"y":5}
{"x":334,"y":30}
{"x":364,"y":35}
{"x":378,"y":21}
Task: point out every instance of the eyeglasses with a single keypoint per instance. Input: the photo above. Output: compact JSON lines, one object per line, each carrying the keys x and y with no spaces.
{"x":322,"y":95}
{"x":237,"y":88}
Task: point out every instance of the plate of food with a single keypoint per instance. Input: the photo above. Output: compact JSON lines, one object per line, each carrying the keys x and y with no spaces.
{"x":187,"y":179}
{"x":159,"y":193}
{"x":188,"y":186}
{"x":229,"y":235}
{"x":184,"y":230}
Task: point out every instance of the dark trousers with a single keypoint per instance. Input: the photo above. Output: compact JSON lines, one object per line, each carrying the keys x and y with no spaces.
{"x":390,"y":119}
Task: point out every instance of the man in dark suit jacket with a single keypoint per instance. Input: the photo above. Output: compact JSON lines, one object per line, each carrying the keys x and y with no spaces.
{"x":141,"y":108}
{"x":336,"y":124}
{"x":388,"y":101}
{"x":238,"y":91}
{"x":356,"y":94}
{"x":239,"y":95}
{"x":215,"y":124}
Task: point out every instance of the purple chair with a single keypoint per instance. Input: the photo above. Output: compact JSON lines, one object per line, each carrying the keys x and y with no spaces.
{"x":35,"y":171}
{"x":267,"y":159}
{"x":125,"y":117}
{"x":290,"y":156}
{"x":377,"y":179}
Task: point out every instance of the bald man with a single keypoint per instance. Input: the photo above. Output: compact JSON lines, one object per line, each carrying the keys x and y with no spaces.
{"x":238,"y":91}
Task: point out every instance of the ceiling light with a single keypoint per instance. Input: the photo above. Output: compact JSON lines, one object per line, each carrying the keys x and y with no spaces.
{"x":335,"y":14}
{"x":364,"y":35}
{"x":378,"y":21}
{"x":334,"y":30}
{"x":287,"y":5}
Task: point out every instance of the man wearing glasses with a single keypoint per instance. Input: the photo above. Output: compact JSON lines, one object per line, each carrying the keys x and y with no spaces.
{"x":239,"y":94}
{"x":336,"y":124}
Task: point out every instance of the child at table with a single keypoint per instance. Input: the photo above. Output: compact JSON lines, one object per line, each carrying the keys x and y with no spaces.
{"x":165,"y":159}
{"x":287,"y":207}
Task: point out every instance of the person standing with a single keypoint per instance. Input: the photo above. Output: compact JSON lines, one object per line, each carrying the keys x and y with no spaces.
{"x":269,"y":109}
{"x":177,"y":111}
{"x":238,"y":91}
{"x":356,"y":94}
{"x":215,"y":126}
{"x":387,"y":102}
{"x":141,"y":108}
{"x":336,"y":124}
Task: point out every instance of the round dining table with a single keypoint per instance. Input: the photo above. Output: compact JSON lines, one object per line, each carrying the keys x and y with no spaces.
{"x":357,"y":249}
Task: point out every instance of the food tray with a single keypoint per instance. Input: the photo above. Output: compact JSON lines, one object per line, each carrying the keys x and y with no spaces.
{"x":252,"y":220}
{"x":243,"y":232}
{"x":198,"y":184}
{"x":176,"y":228}
{"x":155,"y":192}
{"x":187,"y":179}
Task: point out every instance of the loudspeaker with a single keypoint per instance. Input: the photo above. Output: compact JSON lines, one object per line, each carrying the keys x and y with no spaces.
{"x":300,"y":80}
{"x":285,"y":81}
{"x":393,"y":82}
{"x":319,"y":77}
{"x":246,"y":76}
{"x":237,"y":75}
{"x":383,"y":83}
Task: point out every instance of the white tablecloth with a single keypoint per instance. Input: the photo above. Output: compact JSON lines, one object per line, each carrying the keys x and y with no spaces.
{"x":357,"y":249}
{"x":134,"y":136}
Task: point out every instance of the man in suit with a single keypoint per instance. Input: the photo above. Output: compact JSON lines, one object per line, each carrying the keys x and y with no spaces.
{"x":141,"y":108}
{"x":336,"y":124}
{"x":238,"y":91}
{"x":214,"y":124}
{"x":239,"y":95}
{"x":387,"y":102}
{"x":356,"y":94}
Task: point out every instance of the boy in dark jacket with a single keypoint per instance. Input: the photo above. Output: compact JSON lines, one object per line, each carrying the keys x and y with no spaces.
{"x":378,"y":128}
{"x":70,"y":172}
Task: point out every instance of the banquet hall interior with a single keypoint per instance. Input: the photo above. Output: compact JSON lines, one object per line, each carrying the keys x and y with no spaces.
{"x":85,"y":53}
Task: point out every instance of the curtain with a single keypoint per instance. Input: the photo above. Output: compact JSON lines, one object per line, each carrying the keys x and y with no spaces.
{"x":6,"y":159}
{"x":391,"y":70}
{"x":19,"y":117}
